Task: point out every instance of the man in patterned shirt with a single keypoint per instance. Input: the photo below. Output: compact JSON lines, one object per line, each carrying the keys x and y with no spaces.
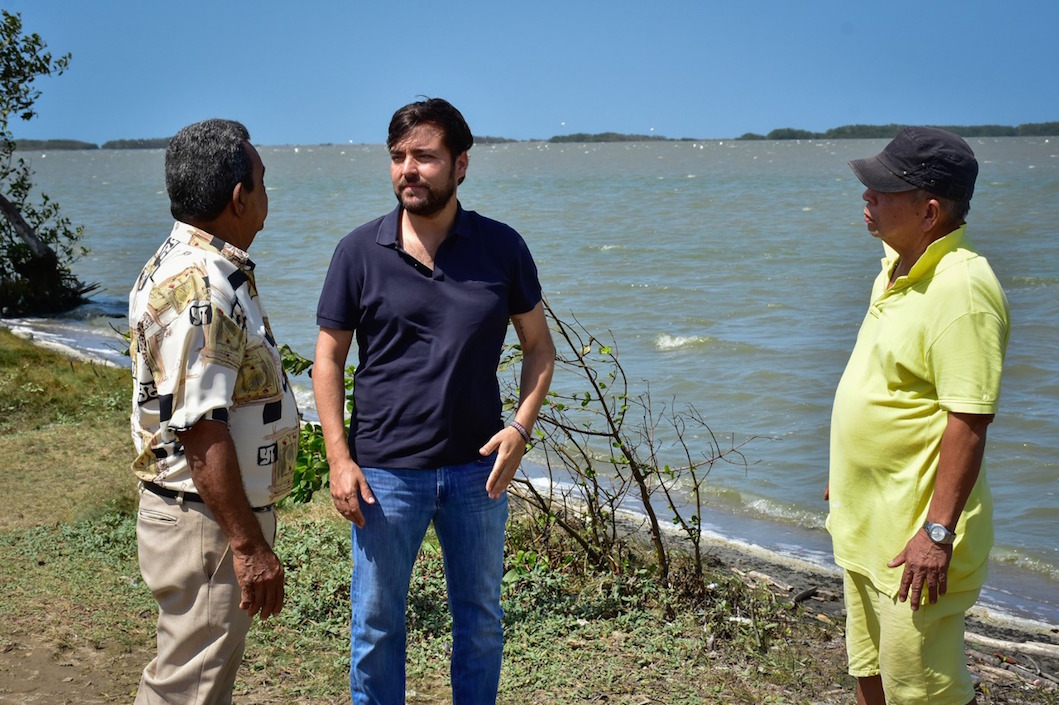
{"x":214,"y":420}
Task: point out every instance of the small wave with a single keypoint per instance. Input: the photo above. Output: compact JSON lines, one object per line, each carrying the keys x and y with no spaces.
{"x":303,"y":395}
{"x":675,"y":342}
{"x":666,"y":342}
{"x":786,"y":514}
{"x":1018,"y":559}
{"x":1024,"y":281}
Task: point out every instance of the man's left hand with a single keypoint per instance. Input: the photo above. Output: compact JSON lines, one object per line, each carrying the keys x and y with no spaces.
{"x":926,"y":563}
{"x":509,"y":447}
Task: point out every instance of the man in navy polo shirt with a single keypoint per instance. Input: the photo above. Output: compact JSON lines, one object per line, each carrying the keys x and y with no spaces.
{"x":428,"y":290}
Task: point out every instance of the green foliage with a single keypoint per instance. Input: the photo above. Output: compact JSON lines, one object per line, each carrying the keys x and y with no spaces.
{"x":35,"y":271}
{"x":531,"y":583}
{"x":24,"y":59}
{"x":607,"y":485}
{"x":316,"y":563}
{"x":311,"y":470}
{"x":293,"y":363}
{"x":427,"y":613}
{"x":107,"y":539}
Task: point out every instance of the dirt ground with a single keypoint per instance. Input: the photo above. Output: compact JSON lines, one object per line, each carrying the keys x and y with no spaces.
{"x":32,"y":672}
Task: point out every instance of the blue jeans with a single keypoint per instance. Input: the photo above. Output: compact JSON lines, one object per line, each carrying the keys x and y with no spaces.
{"x":470,"y":528}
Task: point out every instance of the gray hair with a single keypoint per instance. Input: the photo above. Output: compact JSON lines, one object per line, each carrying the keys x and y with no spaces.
{"x":203,"y":163}
{"x":954,"y":211}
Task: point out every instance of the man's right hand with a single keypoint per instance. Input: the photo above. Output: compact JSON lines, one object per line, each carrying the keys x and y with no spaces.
{"x":260,"y":575}
{"x":348,"y":488}
{"x":348,"y":485}
{"x":214,"y":464}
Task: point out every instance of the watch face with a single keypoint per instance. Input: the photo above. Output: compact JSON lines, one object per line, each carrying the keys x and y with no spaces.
{"x":937,"y":533}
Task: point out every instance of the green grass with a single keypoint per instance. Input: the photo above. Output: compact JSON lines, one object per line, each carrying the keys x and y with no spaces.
{"x":70,"y":581}
{"x":570,"y":636}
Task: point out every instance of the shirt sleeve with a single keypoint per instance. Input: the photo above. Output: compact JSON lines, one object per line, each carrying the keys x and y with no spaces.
{"x":339,"y":298}
{"x":967,"y":358}
{"x":525,"y":292}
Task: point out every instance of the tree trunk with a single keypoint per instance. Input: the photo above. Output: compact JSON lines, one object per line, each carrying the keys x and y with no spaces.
{"x":24,"y":231}
{"x":42,"y":284}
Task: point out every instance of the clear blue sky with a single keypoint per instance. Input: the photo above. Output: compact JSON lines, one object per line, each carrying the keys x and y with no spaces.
{"x":299,"y":72}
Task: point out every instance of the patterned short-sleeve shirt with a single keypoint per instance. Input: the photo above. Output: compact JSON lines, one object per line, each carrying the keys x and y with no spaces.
{"x":202,"y":348}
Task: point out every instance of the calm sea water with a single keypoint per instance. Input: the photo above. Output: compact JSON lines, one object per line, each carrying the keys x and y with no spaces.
{"x":732,"y":276}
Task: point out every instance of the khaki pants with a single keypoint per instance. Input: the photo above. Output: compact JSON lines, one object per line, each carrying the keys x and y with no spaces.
{"x":187,"y":563}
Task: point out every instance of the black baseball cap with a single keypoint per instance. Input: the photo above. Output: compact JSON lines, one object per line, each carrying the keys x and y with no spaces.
{"x":929,"y":158}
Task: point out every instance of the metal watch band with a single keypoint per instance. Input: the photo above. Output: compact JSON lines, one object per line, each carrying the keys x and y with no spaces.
{"x":939,"y":533}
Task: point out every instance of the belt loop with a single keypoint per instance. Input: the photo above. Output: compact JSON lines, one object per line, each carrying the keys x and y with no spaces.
{"x":180,"y":498}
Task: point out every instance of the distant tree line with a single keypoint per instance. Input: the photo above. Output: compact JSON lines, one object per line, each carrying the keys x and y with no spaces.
{"x":485,"y":139}
{"x":31,"y":145}
{"x":54,"y":145}
{"x":1035,"y":129}
{"x":156,"y":143}
{"x":606,"y":137}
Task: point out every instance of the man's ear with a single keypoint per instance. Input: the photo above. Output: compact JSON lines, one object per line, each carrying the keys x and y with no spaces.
{"x":932,"y":215}
{"x":461,"y":167}
{"x":238,"y":202}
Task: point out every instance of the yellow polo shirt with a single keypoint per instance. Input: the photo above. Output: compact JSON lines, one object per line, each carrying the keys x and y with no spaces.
{"x":933,"y":343}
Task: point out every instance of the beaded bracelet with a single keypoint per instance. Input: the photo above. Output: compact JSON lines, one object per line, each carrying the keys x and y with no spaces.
{"x":521,"y":430}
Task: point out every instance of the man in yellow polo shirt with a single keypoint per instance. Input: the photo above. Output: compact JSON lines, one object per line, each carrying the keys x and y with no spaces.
{"x":910,"y":509}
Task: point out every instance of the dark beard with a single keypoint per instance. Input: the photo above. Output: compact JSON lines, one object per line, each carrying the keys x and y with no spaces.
{"x":435,"y":201}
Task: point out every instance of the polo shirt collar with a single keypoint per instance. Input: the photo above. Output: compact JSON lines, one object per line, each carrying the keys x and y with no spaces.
{"x":931,"y":256}
{"x":387,"y":236}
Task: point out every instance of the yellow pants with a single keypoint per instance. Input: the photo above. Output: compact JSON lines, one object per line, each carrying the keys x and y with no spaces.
{"x":920,"y":655}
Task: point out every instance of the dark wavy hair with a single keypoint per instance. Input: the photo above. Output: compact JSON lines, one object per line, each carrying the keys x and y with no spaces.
{"x":203,"y":163}
{"x":436,"y":111}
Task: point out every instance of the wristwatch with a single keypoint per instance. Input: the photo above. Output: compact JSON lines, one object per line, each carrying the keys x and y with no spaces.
{"x":939,"y":533}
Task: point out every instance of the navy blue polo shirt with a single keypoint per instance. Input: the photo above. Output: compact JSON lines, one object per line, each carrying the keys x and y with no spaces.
{"x":429,"y":343}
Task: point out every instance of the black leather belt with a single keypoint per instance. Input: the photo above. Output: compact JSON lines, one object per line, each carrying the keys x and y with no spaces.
{"x":187,"y":496}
